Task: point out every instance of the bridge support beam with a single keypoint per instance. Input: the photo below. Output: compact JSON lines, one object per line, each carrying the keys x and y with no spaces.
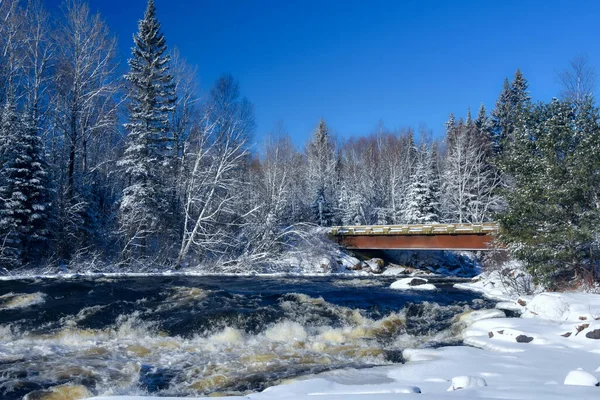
{"x":417,"y":242}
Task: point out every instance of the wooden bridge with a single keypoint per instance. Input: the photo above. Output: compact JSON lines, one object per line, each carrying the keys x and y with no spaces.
{"x":417,"y":237}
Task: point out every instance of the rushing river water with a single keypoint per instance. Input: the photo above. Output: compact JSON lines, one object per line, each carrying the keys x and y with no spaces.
{"x":199,"y":335}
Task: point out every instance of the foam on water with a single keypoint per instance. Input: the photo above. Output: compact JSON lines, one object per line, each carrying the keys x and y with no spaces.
{"x":11,"y":301}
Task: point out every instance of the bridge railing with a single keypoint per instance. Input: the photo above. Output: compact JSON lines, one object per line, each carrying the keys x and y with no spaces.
{"x":419,"y":229}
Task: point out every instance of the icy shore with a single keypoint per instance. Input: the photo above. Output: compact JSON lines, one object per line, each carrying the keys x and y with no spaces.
{"x":551,"y":352}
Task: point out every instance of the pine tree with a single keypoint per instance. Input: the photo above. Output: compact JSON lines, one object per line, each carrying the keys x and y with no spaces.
{"x":24,"y":208}
{"x":145,"y":201}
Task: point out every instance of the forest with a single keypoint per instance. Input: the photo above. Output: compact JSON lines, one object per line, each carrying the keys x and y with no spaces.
{"x":128,"y":165}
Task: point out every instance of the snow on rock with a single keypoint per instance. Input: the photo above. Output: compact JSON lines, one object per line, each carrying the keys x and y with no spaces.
{"x":580,"y":377}
{"x":551,"y":306}
{"x":470,"y":317}
{"x":466,"y":382}
{"x":579,"y":307}
{"x":509,"y":306}
{"x":375,"y":265}
{"x":412,"y":284}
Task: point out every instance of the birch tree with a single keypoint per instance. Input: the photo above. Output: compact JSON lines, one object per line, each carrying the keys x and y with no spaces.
{"x":85,"y":113}
{"x":215,"y":184}
{"x":470,"y":183}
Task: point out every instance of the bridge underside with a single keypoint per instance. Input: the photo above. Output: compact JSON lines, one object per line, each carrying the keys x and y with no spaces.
{"x":417,"y":242}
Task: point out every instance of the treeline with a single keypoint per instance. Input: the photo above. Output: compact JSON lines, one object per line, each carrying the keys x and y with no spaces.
{"x":128,"y":165}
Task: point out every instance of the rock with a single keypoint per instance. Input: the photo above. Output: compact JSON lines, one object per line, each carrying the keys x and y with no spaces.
{"x":490,"y":334}
{"x":62,"y":392}
{"x":595,"y":334}
{"x":356,"y":267}
{"x":417,"y":282}
{"x":407,"y":284}
{"x":582,"y":318}
{"x":501,"y":332}
{"x":328,"y":264}
{"x":523,"y":339}
{"x":466,"y":382}
{"x":408,"y":389}
{"x":375,"y":265}
{"x":580,"y":377}
{"x":581,"y":327}
{"x":521,"y":302}
{"x":568,"y":334}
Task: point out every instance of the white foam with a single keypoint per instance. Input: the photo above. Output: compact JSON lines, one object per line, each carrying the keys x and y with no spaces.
{"x":228,"y":336}
{"x":11,"y":301}
{"x":286,"y":331}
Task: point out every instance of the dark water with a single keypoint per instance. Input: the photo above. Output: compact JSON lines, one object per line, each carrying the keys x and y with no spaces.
{"x":199,"y":335}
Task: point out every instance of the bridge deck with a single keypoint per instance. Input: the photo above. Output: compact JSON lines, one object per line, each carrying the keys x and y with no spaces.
{"x":417,"y":237}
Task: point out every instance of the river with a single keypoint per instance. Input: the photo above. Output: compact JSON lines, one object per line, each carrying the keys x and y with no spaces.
{"x":184,"y":336}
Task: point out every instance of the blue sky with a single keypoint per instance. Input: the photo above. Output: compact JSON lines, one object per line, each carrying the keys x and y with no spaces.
{"x":354,"y":63}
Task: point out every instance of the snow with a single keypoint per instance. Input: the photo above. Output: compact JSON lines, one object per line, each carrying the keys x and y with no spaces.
{"x":409,"y":284}
{"x":563,"y":307}
{"x":466,"y":382}
{"x":580,"y":377}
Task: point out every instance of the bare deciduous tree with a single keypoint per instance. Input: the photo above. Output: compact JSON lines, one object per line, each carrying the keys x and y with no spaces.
{"x":85,"y":83}
{"x":578,"y":81}
{"x":214,"y":177}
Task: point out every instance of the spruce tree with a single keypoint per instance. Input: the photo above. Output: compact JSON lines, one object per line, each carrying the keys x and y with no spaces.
{"x":513,"y":101}
{"x":24,"y":205}
{"x":483,"y":127}
{"x":146,"y":160}
{"x":551,"y":220}
{"x":422,"y":205}
{"x":322,"y":175}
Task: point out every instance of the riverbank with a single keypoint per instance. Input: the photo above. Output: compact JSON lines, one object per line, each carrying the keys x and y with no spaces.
{"x":556,"y":341}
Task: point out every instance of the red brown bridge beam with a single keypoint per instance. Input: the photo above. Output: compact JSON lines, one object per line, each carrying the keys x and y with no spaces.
{"x":417,"y":237}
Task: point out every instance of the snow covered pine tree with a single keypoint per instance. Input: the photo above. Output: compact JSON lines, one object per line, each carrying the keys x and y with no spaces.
{"x":24,"y":204}
{"x":144,"y":205}
{"x":322,"y":173}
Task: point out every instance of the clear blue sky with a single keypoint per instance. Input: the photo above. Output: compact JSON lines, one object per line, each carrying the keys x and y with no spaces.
{"x":357,"y":62}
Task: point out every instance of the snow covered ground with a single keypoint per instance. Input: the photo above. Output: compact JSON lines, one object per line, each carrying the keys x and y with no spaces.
{"x":551,"y":352}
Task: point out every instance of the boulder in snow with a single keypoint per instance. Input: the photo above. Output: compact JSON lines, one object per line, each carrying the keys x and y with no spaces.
{"x":580,"y":377}
{"x":466,"y":382}
{"x":523,"y":339}
{"x":595,"y":334}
